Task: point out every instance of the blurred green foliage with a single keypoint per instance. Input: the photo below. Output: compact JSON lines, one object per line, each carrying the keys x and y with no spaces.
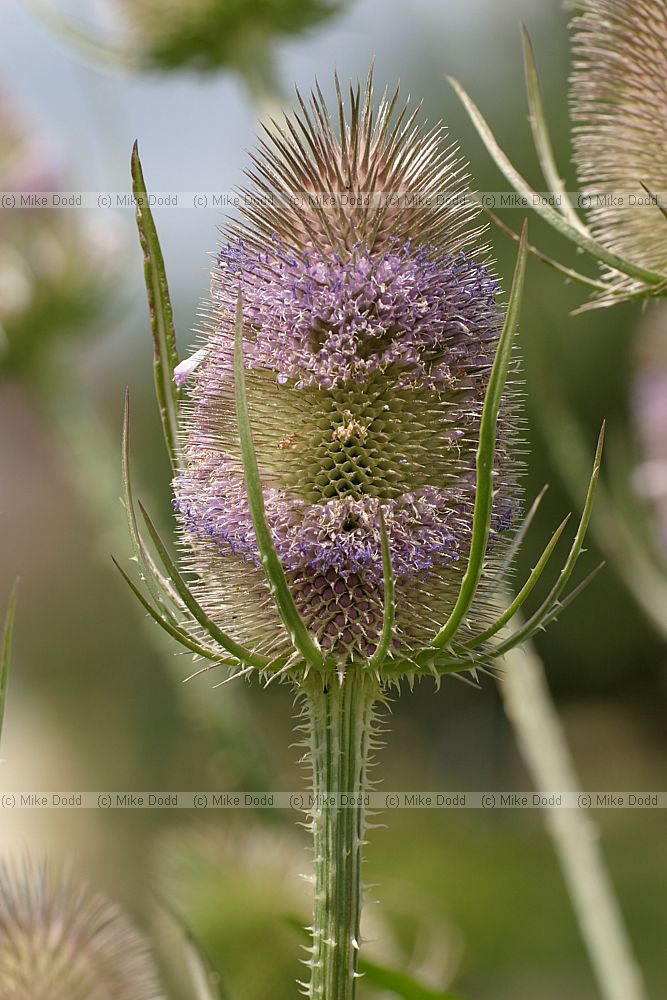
{"x":209,"y":35}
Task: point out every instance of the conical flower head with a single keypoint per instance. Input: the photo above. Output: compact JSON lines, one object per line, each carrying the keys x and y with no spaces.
{"x":370,"y":322}
{"x":619,"y":107}
{"x":60,"y":941}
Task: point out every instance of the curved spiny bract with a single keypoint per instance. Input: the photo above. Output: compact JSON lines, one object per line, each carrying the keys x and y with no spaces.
{"x":60,"y":940}
{"x":619,"y":108}
{"x":371,"y":320}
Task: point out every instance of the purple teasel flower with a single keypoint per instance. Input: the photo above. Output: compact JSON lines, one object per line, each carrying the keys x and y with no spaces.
{"x":370,"y":323}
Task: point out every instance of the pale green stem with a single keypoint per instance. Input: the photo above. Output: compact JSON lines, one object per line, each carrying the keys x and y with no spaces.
{"x":340,"y":723}
{"x":544,"y":748}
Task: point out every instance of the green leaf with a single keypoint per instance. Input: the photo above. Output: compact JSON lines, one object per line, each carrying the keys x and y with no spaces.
{"x":549,"y":214}
{"x":541,"y":136}
{"x":5,"y":651}
{"x":486,"y":454}
{"x":240,"y":652}
{"x":165,"y":354}
{"x":275,"y":574}
{"x":389,"y":616}
{"x":401,"y":983}
{"x":540,"y":617}
{"x":524,"y":593}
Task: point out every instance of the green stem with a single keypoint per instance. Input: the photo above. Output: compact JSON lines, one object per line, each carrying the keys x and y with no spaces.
{"x":340,"y":722}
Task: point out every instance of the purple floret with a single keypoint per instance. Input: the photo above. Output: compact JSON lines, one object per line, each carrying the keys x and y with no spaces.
{"x":343,"y":534}
{"x":322,"y":321}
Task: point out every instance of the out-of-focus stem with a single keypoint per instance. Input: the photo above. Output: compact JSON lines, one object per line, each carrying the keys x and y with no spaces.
{"x":340,"y":721}
{"x":544,"y":748}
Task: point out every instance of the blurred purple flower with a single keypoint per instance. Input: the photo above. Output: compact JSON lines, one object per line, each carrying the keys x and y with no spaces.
{"x":52,"y":261}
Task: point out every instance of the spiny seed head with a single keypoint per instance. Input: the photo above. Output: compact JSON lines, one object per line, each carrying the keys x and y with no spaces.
{"x":59,"y":940}
{"x":619,"y":107}
{"x":371,"y":320}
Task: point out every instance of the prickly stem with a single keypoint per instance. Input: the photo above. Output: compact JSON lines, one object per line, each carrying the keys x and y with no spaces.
{"x":340,"y":716}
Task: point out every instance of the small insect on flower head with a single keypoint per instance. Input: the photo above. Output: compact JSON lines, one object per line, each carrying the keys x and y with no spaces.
{"x":370,"y":323}
{"x":59,"y":940}
{"x":619,"y":107}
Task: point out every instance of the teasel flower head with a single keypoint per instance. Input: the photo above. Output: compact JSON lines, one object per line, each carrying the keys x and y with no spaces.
{"x":619,"y":110}
{"x":59,"y":939}
{"x":369,"y":329}
{"x":345,"y":440}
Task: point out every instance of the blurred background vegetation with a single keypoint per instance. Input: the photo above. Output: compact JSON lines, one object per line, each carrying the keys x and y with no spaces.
{"x":471,"y":900}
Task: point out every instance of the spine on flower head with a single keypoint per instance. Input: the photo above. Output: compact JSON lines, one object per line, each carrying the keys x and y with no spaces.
{"x":371,"y":319}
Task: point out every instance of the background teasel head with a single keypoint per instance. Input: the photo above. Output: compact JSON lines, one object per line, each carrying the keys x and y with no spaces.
{"x":60,"y":940}
{"x":619,"y":110}
{"x":346,"y":454}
